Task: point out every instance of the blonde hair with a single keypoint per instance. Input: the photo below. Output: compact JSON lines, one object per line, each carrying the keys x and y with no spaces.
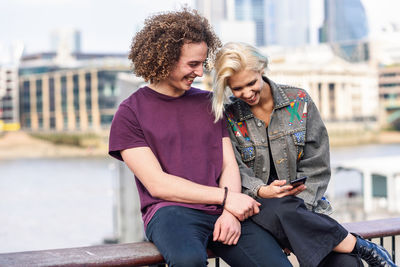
{"x":230,"y":59}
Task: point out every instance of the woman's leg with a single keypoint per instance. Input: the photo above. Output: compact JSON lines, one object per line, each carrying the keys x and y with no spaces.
{"x":335,"y":259}
{"x":347,"y":245}
{"x":372,"y":253}
{"x":312,"y":236}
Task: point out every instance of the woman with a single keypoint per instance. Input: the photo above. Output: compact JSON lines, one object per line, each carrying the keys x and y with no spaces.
{"x":279,"y":136}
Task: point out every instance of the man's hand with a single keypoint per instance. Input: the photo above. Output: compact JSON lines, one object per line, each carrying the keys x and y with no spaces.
{"x":241,"y":206}
{"x":227,"y":229}
{"x":278,"y":189}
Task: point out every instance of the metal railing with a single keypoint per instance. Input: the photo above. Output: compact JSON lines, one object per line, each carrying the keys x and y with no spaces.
{"x":145,"y":253}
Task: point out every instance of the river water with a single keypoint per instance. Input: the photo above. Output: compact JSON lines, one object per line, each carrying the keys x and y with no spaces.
{"x":58,"y":203}
{"x":55,"y":203}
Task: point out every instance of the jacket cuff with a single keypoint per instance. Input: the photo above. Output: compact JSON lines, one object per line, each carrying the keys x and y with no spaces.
{"x":254,"y":190}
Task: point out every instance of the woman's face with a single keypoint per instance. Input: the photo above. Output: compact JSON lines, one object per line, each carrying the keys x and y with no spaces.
{"x":247,"y":85}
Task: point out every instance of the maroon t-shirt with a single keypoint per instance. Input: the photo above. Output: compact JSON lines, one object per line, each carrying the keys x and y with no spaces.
{"x":181,"y":133}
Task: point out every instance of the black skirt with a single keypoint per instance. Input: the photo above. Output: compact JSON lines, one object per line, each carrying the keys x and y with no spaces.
{"x":310,"y":236}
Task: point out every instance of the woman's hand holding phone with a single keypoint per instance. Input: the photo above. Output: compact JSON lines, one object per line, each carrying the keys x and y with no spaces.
{"x":278,"y":189}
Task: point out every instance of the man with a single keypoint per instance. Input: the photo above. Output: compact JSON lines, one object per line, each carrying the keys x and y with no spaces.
{"x":184,"y":165}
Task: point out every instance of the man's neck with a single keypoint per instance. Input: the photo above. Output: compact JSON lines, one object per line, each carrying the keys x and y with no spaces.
{"x":164,"y":89}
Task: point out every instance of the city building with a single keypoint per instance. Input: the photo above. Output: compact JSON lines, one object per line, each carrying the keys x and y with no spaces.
{"x":9,"y":115}
{"x":346,"y":29}
{"x":287,"y":22}
{"x":213,"y":10}
{"x":9,"y":96}
{"x":80,"y":96}
{"x":345,"y":93}
{"x":389,"y":95}
{"x":221,"y":14}
{"x":253,"y":10}
{"x":66,"y":38}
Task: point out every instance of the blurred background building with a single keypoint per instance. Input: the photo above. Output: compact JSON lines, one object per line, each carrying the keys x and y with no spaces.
{"x":326,"y":47}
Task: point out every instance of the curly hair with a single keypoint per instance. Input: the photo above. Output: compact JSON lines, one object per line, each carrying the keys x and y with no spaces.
{"x":157,"y":47}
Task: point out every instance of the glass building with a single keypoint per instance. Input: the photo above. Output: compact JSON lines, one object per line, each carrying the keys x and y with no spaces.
{"x":346,"y":29}
{"x":253,"y":10}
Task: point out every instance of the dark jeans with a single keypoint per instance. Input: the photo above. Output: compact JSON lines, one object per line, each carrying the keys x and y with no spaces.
{"x":182,"y":235}
{"x":311,"y":236}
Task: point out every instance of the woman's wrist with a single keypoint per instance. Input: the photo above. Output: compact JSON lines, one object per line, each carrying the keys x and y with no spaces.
{"x":261,"y":191}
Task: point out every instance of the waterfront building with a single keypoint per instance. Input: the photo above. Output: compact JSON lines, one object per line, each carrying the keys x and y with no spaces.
{"x":9,"y":96}
{"x":346,"y":94}
{"x":389,"y":95}
{"x":9,"y":115}
{"x":78,"y":96}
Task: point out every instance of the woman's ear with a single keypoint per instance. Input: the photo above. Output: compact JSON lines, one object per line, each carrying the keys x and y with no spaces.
{"x":262,"y":72}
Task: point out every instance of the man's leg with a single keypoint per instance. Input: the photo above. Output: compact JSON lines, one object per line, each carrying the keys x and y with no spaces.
{"x":256,"y":247}
{"x":181,"y":235}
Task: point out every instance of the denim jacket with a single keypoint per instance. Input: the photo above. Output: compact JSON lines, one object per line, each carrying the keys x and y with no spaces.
{"x":298,"y":139}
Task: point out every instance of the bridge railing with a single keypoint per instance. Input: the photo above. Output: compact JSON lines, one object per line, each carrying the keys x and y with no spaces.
{"x":145,"y":253}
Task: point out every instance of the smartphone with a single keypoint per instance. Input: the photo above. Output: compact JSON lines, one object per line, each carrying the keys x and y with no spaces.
{"x":298,"y":181}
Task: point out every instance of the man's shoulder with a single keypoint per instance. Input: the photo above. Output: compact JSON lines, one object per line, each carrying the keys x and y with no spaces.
{"x":199,"y":92}
{"x":134,"y":96}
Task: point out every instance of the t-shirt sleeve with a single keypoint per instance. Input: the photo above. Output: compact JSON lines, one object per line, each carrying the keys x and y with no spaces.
{"x":125,"y":132}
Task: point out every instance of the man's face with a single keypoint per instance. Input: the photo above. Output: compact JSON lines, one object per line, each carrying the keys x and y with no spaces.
{"x":189,"y":66}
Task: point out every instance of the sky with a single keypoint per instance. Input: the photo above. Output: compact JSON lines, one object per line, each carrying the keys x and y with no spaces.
{"x":107,"y":26}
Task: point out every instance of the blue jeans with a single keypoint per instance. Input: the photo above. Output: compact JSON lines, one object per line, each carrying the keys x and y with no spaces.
{"x":182,"y":235}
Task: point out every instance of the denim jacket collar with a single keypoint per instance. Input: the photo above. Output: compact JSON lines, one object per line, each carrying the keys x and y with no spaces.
{"x":241,"y":109}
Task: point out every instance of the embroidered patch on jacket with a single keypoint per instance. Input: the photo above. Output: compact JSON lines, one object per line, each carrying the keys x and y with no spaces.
{"x":239,"y":128}
{"x":299,"y":137}
{"x":299,"y":155}
{"x":248,"y":153}
{"x":294,"y":108}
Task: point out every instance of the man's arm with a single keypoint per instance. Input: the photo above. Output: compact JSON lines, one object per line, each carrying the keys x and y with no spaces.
{"x":230,"y":176}
{"x":160,"y":184}
{"x":227,"y":228}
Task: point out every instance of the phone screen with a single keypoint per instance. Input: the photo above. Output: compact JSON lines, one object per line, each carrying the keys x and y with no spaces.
{"x":298,"y":182}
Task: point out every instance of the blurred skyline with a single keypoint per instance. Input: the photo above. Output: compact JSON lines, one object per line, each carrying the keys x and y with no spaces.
{"x":105,"y":26}
{"x":108,"y":27}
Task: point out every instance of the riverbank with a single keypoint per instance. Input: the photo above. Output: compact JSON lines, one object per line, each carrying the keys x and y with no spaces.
{"x":344,"y":139}
{"x":21,"y":145}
